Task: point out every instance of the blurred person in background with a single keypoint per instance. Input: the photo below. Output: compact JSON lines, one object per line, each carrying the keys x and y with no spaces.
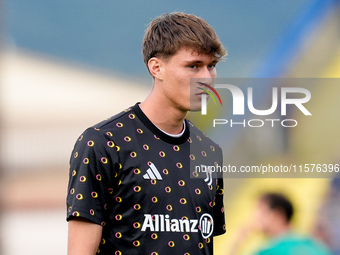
{"x":130,"y":189}
{"x":327,"y":227}
{"x":272,"y":217}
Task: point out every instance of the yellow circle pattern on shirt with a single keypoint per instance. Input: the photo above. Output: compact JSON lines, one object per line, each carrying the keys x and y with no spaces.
{"x":137,"y":171}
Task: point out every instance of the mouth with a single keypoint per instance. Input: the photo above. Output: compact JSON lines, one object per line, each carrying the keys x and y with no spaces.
{"x":203,"y":88}
{"x":205,"y":91}
{"x":202,"y":91}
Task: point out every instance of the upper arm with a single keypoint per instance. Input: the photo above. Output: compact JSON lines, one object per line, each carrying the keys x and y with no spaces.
{"x":92,"y":178}
{"x":83,"y":237}
{"x":91,"y":166}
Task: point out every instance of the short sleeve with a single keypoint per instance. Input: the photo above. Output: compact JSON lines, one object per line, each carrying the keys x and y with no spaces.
{"x":93,"y":169}
{"x":219,"y":220}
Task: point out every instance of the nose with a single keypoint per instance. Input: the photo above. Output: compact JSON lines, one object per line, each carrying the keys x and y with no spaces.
{"x":205,"y":78}
{"x":207,"y":73}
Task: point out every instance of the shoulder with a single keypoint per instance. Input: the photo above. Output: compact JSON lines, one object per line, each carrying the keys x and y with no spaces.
{"x":105,"y":127}
{"x":293,"y":242}
{"x":115,"y":121}
{"x":102,"y":132}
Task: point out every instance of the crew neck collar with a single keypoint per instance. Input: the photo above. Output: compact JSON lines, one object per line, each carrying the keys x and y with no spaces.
{"x":169,"y":138}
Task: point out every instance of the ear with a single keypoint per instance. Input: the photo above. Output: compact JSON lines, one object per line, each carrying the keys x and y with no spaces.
{"x":154,"y":65}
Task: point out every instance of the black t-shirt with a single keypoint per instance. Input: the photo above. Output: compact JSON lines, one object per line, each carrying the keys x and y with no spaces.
{"x":139,"y":183}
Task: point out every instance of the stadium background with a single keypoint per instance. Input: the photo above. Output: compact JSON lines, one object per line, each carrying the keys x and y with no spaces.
{"x":66,"y":65}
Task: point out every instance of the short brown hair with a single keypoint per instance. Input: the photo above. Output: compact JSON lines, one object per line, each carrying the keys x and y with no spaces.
{"x":169,"y":32}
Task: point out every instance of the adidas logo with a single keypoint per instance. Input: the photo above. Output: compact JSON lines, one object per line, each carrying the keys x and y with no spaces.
{"x":152,"y":173}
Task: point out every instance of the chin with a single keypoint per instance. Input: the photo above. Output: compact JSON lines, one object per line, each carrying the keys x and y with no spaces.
{"x":194,"y":107}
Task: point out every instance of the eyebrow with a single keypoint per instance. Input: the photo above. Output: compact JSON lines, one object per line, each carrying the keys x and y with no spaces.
{"x":199,"y":62}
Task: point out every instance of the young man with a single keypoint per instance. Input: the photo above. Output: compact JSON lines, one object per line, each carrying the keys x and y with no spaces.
{"x":131,"y":188}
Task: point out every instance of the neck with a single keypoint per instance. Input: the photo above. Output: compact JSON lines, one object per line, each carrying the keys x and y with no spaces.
{"x":280,"y":230}
{"x":162,"y":113}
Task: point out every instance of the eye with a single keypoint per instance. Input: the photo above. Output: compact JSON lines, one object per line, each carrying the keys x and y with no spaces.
{"x":193,"y":66}
{"x":212,"y":66}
